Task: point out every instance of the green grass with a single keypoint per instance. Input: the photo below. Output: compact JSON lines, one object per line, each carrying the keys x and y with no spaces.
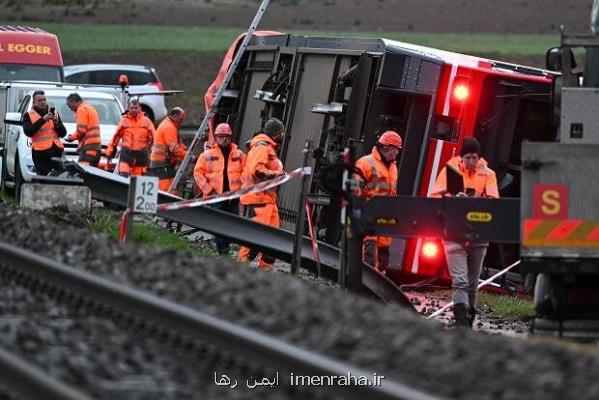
{"x":107,"y":222}
{"x":507,"y":305}
{"x":98,"y":38}
{"x":7,"y":197}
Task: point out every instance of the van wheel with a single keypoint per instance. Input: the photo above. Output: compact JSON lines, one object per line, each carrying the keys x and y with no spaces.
{"x":18,"y":180}
{"x":148,"y":112}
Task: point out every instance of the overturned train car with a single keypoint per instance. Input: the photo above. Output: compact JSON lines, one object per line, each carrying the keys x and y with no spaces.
{"x":334,"y":91}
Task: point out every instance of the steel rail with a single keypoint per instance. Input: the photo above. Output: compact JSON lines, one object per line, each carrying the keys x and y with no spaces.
{"x":277,"y":242}
{"x":29,"y":382}
{"x":239,"y":340}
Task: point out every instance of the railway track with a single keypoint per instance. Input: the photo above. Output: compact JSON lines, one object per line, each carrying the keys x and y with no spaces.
{"x":80,"y":343}
{"x":142,"y":308}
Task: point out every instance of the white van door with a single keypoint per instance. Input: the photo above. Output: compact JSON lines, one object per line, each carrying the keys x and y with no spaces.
{"x":12,"y":137}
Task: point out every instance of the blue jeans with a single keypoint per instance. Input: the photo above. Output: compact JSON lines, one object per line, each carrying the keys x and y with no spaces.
{"x":230,"y":206}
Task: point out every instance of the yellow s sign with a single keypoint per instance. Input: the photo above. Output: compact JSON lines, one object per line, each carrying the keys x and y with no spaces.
{"x":477,"y":216}
{"x":550,"y":202}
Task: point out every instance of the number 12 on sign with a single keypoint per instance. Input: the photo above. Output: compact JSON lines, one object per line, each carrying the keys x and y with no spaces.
{"x":146,"y":194}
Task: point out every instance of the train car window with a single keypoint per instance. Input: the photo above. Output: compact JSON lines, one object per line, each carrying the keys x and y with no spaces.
{"x":446,"y":129}
{"x":512,"y":111}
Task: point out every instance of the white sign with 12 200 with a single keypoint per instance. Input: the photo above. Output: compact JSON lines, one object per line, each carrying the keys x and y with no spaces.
{"x":146,"y":194}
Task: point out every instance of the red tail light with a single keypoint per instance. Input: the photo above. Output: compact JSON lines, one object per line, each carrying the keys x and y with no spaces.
{"x":430,"y":249}
{"x":157,"y":85}
{"x":461,"y":92}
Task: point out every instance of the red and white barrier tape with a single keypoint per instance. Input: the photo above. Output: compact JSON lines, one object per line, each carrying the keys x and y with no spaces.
{"x":259,"y":187}
{"x":123,"y":225}
{"x":313,"y":237}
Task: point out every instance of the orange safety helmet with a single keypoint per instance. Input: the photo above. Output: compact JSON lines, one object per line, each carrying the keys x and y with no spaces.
{"x":390,"y":138}
{"x":223,"y":129}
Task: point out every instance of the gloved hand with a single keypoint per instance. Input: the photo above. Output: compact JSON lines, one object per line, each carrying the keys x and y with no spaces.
{"x":110,"y":151}
{"x":69,"y":138}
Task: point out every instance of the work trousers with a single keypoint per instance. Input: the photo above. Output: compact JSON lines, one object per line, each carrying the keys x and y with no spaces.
{"x":376,"y":252}
{"x":128,"y":170}
{"x":90,"y":157}
{"x":232,"y":207}
{"x":465,"y":261}
{"x":42,"y":159}
{"x":267,"y":214}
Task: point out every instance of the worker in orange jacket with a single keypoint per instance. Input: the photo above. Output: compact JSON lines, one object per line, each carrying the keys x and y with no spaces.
{"x":45,"y":129}
{"x":87,"y":131}
{"x":167,"y":149}
{"x":379,"y":178}
{"x":136,"y":132}
{"x":465,"y":259}
{"x":262,"y":164}
{"x":218,"y":170}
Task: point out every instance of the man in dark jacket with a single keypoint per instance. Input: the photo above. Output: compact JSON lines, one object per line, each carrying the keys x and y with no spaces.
{"x":45,"y":130}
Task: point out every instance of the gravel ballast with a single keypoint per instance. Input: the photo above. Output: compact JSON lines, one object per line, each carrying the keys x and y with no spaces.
{"x":385,"y":340}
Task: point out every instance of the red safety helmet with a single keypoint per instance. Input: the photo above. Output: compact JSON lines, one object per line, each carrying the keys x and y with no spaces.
{"x":223,"y":129}
{"x":390,"y":138}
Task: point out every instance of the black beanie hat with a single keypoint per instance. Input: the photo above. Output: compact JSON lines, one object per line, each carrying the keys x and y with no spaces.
{"x":273,"y":126}
{"x":470,"y":145}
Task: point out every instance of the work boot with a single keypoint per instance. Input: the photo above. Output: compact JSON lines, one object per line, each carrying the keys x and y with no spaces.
{"x":471,"y":316}
{"x":460,"y":314}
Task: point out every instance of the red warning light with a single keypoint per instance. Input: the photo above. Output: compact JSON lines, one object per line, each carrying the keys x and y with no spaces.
{"x":430,"y":249}
{"x":461,"y":92}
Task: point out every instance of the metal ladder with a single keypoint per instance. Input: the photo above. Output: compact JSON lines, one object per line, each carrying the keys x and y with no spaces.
{"x":181,"y":172}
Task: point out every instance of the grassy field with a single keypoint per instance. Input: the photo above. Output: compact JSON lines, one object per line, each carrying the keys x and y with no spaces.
{"x":98,"y":38}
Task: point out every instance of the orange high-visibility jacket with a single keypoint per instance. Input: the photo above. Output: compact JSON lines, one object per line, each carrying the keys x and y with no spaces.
{"x":209,"y":169}
{"x":261,"y":164}
{"x":167,"y":148}
{"x":88,"y":127}
{"x":136,"y":133}
{"x":46,"y":135}
{"x":380,"y":179}
{"x":482,"y":179}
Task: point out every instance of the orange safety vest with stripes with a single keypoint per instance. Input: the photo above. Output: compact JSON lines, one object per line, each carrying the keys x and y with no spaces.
{"x":482,"y":179}
{"x":46,"y":135}
{"x":209,"y":169}
{"x":88,"y":128}
{"x":380,"y":179}
{"x":137,"y":133}
{"x":167,"y":148}
{"x":261,"y":164}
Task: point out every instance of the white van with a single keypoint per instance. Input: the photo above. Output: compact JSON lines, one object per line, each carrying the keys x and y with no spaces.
{"x":17,"y":162}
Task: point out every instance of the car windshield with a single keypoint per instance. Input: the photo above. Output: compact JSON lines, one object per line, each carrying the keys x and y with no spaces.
{"x":108,"y":109}
{"x":110,"y":77}
{"x":14,"y":72}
